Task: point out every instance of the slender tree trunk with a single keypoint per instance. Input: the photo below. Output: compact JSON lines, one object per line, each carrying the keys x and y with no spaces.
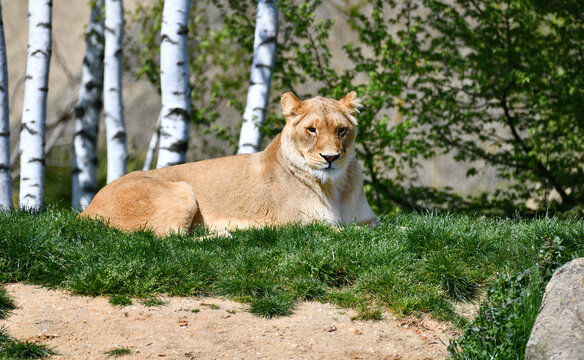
{"x":87,"y":112}
{"x":174,"y":83}
{"x":264,"y":57}
{"x":5,"y":178}
{"x":32,"y":133}
{"x":152,"y":147}
{"x":113,"y":109}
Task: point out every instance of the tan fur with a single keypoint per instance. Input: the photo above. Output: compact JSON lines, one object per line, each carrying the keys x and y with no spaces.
{"x":291,"y":180}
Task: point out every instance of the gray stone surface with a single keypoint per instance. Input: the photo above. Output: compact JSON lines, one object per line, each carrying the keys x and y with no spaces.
{"x":558,"y":332}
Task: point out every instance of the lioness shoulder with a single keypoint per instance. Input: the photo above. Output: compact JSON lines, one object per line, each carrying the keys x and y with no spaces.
{"x":308,"y":172}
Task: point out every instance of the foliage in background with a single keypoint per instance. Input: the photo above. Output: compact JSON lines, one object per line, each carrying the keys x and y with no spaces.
{"x":501,"y":82}
{"x":493,"y":81}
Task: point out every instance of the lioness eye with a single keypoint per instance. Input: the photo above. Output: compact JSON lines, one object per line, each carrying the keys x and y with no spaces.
{"x":311,"y":130}
{"x":342,"y":131}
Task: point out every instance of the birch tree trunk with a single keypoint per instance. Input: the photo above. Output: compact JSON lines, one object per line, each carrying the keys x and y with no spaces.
{"x":264,"y":56}
{"x":5,"y":178}
{"x":113,"y":110}
{"x":174,"y":83}
{"x":32,"y":133}
{"x":87,"y":112}
{"x":152,"y":147}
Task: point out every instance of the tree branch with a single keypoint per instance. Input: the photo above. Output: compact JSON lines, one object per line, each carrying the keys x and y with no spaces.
{"x":541,"y":168}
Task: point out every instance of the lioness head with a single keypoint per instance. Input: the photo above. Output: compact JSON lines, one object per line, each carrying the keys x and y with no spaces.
{"x":319,"y":135}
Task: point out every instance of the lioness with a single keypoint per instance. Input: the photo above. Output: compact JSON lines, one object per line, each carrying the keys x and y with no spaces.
{"x":308,"y":172}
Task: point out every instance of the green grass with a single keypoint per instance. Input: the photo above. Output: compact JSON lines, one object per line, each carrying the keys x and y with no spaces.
{"x":118,"y":352}
{"x":6,"y":304}
{"x":411,"y":264}
{"x":272,"y":305}
{"x":504,"y":323}
{"x":153,"y":301}
{"x":12,"y":349}
{"x":120,"y":300}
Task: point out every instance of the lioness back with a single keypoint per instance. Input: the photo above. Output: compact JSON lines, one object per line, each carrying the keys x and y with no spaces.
{"x":308,"y":172}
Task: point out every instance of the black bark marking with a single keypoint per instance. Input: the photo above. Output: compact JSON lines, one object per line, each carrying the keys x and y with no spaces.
{"x":30,"y":196}
{"x":90,"y":85}
{"x":44,"y":25}
{"x":258,"y":109}
{"x":96,"y":103}
{"x":28,"y":77}
{"x":263,"y":66}
{"x":182,"y":30}
{"x":44,"y":89}
{"x":119,"y":135}
{"x":39,"y":51}
{"x":177,"y":111}
{"x":178,"y":92}
{"x":4,"y":167}
{"x":163,"y":133}
{"x":5,"y":133}
{"x":268,"y":40}
{"x":79,"y":112}
{"x":174,"y":163}
{"x":96,"y":34}
{"x":180,"y":63}
{"x":25,"y":127}
{"x":39,"y":160}
{"x":179,"y":146}
{"x":167,"y":38}
{"x":89,"y":189}
{"x":86,"y":135}
{"x":249,"y":145}
{"x":118,"y":52}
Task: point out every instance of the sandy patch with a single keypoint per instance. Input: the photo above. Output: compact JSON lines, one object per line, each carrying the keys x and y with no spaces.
{"x":79,"y":327}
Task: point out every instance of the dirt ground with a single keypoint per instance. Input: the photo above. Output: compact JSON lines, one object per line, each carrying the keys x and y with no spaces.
{"x":80,"y":327}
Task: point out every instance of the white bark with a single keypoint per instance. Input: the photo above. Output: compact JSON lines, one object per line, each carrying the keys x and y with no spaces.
{"x":87,"y":112}
{"x":264,"y":56}
{"x":113,"y":110}
{"x":32,"y":133}
{"x":174,"y":83}
{"x":5,"y":178}
{"x":152,"y":147}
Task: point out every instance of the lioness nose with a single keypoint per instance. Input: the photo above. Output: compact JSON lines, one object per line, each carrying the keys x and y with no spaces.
{"x":330,"y":158}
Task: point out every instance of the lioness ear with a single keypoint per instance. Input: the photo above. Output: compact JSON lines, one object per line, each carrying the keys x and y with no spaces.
{"x":350,"y":103}
{"x":290,"y":104}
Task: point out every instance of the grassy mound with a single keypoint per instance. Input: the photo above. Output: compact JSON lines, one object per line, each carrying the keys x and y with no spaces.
{"x":411,"y":264}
